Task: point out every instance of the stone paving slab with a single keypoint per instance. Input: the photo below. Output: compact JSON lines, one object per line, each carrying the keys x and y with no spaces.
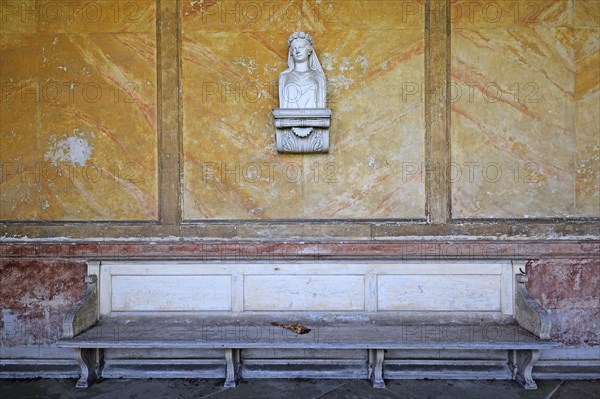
{"x":294,"y":389}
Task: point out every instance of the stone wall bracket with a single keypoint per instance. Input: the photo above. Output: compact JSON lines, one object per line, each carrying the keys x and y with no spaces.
{"x":302,"y":130}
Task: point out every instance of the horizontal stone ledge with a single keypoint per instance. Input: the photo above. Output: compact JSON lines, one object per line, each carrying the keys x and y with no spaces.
{"x":434,"y":250}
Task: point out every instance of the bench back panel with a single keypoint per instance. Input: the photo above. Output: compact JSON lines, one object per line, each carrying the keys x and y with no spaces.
{"x":354,"y":287}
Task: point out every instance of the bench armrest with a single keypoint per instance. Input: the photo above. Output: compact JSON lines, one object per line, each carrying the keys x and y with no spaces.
{"x":528,"y":312}
{"x":84,"y":313}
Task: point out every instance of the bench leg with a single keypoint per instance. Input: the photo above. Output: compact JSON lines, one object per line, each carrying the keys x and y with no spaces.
{"x":90,"y":362}
{"x":522,"y":365}
{"x":376,"y":367}
{"x":232,"y":357}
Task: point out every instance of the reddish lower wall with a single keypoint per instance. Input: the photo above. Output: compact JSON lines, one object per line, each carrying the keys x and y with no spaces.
{"x":35,"y":295}
{"x":570,"y":291}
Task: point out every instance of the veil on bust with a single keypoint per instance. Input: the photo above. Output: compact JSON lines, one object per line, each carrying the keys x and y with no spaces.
{"x":313,"y":65}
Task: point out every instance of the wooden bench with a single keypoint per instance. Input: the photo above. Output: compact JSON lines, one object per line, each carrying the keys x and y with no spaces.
{"x":89,"y":334}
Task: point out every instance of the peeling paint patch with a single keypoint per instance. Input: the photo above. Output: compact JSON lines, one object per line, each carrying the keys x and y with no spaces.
{"x":327,"y":61}
{"x":74,"y":149}
{"x":342,"y":81}
{"x":248,"y":63}
{"x":346,"y":65}
{"x":363,"y":62}
{"x":10,"y":323}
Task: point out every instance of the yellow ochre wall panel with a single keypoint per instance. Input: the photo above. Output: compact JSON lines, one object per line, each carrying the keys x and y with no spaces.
{"x":525,"y":105}
{"x":78,"y":131}
{"x":372,"y":55}
{"x":79,"y":121}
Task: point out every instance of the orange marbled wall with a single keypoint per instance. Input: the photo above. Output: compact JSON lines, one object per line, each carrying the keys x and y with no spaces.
{"x":78,"y":131}
{"x":525,"y":105}
{"x":372,"y":54}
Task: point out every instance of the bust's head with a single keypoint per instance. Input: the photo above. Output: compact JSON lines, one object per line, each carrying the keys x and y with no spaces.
{"x":300,"y":35}
{"x":301,"y":46}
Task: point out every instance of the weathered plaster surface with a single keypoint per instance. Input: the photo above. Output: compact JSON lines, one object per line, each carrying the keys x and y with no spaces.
{"x":570,"y":290}
{"x":525,"y":100}
{"x":78,"y":111}
{"x":35,"y":295}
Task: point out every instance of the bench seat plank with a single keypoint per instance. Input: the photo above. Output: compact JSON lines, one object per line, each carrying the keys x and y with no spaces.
{"x":176,"y":332}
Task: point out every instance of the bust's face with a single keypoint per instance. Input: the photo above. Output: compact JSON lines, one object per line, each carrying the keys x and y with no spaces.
{"x":300,"y":50}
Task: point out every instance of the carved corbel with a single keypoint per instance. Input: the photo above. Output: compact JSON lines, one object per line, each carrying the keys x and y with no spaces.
{"x":302,"y":130}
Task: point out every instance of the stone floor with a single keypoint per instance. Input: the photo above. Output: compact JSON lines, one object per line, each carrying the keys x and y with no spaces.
{"x":296,"y":388}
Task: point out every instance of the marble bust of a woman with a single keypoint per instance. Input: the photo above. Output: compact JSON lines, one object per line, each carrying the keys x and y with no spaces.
{"x":302,"y":121}
{"x":302,"y":85}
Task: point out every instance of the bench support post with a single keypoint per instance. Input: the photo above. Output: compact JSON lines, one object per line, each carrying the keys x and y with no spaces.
{"x":376,"y":367}
{"x":232,"y":357}
{"x":90,"y":362}
{"x":522,"y":365}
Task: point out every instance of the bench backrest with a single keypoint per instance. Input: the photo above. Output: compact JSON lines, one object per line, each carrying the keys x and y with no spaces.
{"x":453,"y":289}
